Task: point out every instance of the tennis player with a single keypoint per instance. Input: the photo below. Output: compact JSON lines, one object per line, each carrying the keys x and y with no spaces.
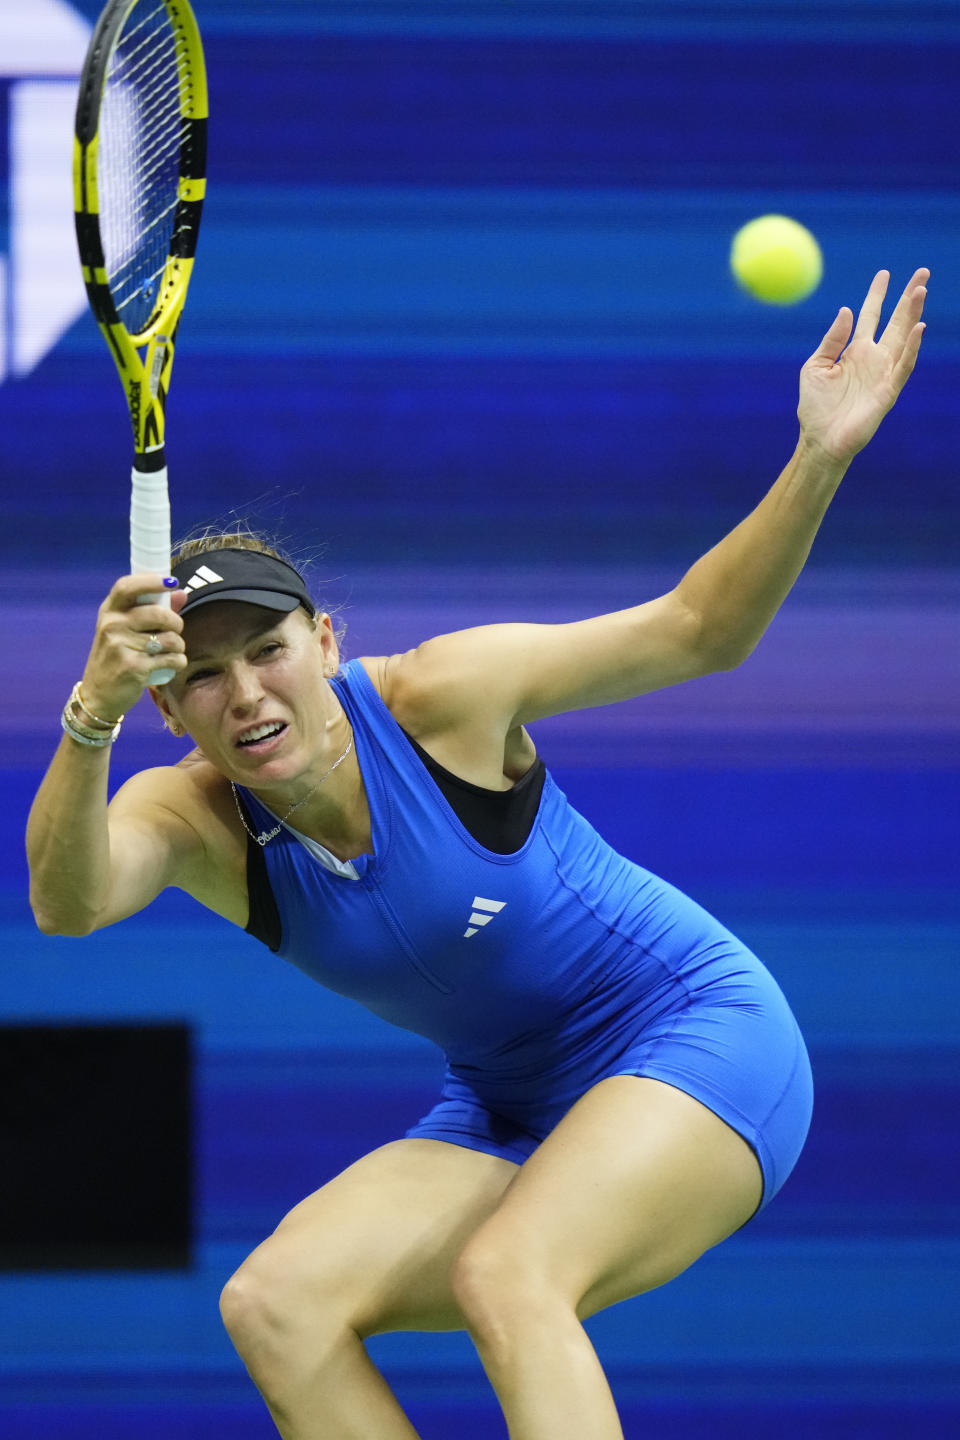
{"x":626,"y":1085}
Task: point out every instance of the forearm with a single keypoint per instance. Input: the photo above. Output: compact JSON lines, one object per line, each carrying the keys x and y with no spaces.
{"x":846,"y":388}
{"x":737,"y":587}
{"x":77,"y":881}
{"x":68,"y":846}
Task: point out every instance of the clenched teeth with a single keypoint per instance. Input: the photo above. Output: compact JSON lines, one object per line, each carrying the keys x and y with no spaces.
{"x":260,"y":732}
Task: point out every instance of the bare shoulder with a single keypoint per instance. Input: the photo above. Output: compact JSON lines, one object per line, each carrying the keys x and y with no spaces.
{"x":444,"y":694}
{"x":441,"y":682}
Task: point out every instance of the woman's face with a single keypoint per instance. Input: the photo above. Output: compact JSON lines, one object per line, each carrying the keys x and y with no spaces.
{"x":254,"y":695}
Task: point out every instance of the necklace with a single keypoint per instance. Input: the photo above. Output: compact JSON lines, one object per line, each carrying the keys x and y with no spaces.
{"x":266,"y":836}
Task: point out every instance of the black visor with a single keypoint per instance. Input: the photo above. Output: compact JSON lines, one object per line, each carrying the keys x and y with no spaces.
{"x":246,"y":575}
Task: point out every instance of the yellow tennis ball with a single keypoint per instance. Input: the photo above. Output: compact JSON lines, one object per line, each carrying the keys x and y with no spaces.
{"x":776,"y":259}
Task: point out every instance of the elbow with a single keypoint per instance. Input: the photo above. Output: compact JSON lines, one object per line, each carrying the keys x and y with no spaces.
{"x":731,"y":659}
{"x":710,"y":645}
{"x":51,"y":922}
{"x":724,"y":653}
{"x":69,"y":927}
{"x":725,"y":647}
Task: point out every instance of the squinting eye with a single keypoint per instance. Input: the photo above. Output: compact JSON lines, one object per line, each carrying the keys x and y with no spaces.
{"x":271,"y":648}
{"x":198,"y":675}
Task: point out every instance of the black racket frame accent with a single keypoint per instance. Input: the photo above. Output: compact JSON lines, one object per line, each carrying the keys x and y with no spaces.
{"x":192,"y":164}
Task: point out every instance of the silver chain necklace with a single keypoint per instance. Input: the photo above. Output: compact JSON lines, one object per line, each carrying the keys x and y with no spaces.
{"x":266,"y":836}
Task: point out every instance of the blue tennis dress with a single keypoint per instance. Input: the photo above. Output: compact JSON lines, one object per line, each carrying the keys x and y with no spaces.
{"x":538,"y":973}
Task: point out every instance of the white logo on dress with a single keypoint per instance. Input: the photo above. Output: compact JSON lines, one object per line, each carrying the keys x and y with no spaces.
{"x":492,"y":907}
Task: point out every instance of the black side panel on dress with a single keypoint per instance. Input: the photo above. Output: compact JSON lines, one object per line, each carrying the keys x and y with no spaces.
{"x":263,"y":922}
{"x":499,"y":820}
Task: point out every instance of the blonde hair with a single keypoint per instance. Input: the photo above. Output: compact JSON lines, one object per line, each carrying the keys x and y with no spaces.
{"x":240,"y":536}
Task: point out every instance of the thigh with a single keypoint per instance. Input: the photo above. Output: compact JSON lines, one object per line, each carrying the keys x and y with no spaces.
{"x":636,"y":1182}
{"x":739,"y":1051}
{"x":377,"y":1243}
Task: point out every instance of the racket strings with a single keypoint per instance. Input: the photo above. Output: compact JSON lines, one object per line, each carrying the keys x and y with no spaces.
{"x":141,"y":136}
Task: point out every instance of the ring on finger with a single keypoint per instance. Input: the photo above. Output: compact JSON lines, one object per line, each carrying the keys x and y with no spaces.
{"x":153,"y":646}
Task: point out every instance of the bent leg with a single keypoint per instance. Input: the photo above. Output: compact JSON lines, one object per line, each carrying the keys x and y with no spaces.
{"x":636,"y":1182}
{"x":371,"y":1251}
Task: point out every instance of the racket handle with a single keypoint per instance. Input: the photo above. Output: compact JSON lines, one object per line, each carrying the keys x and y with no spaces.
{"x":150,"y":538}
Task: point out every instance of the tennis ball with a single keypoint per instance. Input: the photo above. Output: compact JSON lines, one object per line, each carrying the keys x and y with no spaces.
{"x":776,"y":259}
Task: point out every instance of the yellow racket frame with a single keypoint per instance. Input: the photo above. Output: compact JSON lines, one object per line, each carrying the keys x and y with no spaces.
{"x":146,"y":379}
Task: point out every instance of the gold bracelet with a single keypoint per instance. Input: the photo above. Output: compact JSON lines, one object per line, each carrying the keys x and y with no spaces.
{"x":77,"y":699}
{"x":100,"y":734}
{"x":98,"y":738}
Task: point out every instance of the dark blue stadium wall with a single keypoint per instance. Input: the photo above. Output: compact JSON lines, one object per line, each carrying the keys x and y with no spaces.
{"x":463,"y":332}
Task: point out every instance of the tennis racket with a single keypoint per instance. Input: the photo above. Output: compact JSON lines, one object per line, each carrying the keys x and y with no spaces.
{"x":139,"y":168}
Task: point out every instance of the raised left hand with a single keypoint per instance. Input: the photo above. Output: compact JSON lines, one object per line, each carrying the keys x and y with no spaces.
{"x":849,"y":384}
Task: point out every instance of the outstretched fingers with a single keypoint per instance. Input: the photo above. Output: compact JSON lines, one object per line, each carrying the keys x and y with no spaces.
{"x":832,"y":345}
{"x":851,"y":382}
{"x":869,"y":317}
{"x":903,"y":368}
{"x":904,"y":330}
{"x":907,"y":312}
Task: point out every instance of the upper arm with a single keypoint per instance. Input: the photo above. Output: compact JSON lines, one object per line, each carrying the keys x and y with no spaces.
{"x":155,"y":843}
{"x":526,"y":672}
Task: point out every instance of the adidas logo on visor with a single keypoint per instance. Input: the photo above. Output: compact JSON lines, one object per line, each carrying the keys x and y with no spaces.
{"x":483,"y":913}
{"x":204,"y":576}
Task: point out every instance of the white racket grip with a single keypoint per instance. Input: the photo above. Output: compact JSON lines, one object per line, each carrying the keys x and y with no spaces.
{"x":150,"y":538}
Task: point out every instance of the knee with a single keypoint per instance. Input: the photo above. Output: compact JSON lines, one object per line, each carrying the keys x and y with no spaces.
{"x":501,"y":1290}
{"x":268,"y":1300}
{"x":250,"y":1306}
{"x":280,"y":1293}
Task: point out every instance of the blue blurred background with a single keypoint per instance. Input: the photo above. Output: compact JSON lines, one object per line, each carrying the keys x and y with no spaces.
{"x":462,"y":332}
